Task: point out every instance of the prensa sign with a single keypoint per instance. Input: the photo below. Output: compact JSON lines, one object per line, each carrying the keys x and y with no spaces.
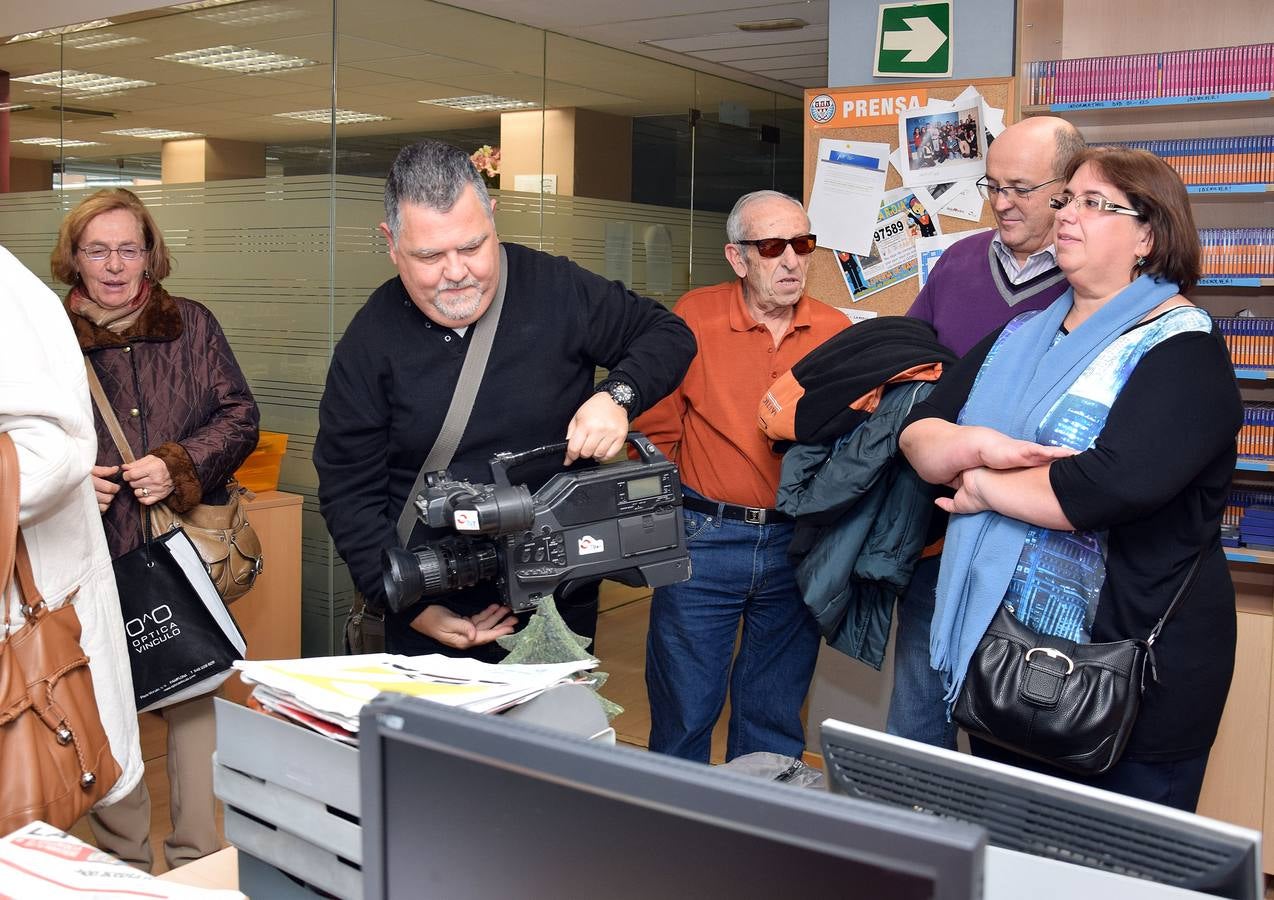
{"x":849,"y":109}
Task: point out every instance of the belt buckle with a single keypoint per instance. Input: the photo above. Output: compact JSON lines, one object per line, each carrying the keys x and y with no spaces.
{"x":753,"y":516}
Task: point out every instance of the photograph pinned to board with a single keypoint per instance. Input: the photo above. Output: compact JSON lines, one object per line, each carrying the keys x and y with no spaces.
{"x":942,"y":143}
{"x":849,"y":181}
{"x":930,"y":249}
{"x":905,"y":215}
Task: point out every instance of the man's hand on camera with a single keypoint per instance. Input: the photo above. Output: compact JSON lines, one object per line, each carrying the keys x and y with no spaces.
{"x":463,"y":632}
{"x":598,"y":429}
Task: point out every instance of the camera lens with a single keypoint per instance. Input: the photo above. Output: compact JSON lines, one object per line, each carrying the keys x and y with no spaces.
{"x":438,"y":567}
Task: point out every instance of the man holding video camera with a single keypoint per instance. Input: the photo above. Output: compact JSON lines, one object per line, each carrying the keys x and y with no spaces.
{"x":750,"y":331}
{"x":395,"y":369}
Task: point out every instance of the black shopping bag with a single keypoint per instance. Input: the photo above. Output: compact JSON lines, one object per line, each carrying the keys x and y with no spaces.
{"x":181,"y":638}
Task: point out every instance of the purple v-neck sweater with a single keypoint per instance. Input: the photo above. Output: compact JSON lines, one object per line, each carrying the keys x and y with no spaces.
{"x":969,"y":295}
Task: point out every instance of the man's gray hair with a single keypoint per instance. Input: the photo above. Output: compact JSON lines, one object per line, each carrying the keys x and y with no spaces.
{"x":734,"y":231}
{"x":1067,"y":143}
{"x":433,"y":175}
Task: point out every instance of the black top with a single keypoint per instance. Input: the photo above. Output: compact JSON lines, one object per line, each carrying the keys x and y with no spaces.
{"x":394,"y":371}
{"x":1156,"y":480}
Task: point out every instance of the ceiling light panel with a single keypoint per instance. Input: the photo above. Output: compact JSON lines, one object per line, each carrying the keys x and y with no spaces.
{"x":246,"y":60}
{"x":326,"y":116}
{"x":104,"y":41}
{"x":155,"y":134}
{"x":203,"y":4}
{"x":83,"y":84}
{"x":53,"y":32}
{"x":56,"y":142}
{"x":483,"y":103}
{"x":250,"y":14}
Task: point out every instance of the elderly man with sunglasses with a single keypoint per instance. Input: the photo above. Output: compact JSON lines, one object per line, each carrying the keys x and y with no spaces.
{"x":750,"y":331}
{"x":978,"y":285}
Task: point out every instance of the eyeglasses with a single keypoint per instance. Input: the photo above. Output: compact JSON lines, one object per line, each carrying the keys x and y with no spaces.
{"x":992,"y":191}
{"x":1090,"y":203}
{"x":802,"y":244}
{"x":101,"y":254}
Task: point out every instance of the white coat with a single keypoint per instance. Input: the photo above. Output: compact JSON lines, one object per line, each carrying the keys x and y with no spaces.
{"x":44,"y":406}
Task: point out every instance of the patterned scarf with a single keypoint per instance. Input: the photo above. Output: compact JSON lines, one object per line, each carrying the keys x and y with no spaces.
{"x":1023,"y":378}
{"x":114,"y":319}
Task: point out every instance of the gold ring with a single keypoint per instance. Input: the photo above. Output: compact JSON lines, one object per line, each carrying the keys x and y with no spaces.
{"x":145,"y":492}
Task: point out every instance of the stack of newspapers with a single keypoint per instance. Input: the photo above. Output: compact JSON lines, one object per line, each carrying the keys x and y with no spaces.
{"x":326,"y":693}
{"x":40,"y":861}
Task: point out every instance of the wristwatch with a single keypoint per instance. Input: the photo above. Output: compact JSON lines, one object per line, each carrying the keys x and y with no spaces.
{"x":621,"y":392}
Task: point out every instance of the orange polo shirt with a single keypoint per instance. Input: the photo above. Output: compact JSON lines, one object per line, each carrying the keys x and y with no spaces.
{"x":708,"y":425}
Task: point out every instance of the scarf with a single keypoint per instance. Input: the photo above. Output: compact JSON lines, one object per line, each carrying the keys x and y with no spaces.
{"x":1026,"y":373}
{"x":115,"y":320}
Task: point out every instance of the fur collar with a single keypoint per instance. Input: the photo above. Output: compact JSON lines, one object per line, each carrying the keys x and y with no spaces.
{"x":159,"y":321}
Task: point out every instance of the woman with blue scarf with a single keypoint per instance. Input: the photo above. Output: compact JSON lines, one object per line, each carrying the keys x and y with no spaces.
{"x":1090,"y":447}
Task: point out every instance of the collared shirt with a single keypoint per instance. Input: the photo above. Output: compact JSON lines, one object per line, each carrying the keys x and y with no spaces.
{"x":1037,"y":262}
{"x":709,"y":425}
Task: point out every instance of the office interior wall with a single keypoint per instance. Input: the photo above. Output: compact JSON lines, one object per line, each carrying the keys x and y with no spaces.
{"x":981,"y":40}
{"x":285,"y":260}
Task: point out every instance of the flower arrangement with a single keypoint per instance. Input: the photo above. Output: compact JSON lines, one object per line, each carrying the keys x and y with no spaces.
{"x":486,"y":159}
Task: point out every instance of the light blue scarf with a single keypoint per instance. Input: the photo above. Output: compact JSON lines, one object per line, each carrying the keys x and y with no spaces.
{"x":1026,"y":373}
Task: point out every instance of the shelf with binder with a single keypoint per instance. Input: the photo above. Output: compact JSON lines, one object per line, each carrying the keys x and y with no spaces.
{"x":1254,"y":464}
{"x":1250,"y":555}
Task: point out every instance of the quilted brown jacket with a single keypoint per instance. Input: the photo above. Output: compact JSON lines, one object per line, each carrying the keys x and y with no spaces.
{"x":173,"y":374}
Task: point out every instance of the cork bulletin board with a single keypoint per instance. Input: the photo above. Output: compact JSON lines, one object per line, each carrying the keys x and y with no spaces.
{"x":825,"y":280}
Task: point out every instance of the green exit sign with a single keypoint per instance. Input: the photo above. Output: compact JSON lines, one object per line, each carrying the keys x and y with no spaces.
{"x":914,"y":39}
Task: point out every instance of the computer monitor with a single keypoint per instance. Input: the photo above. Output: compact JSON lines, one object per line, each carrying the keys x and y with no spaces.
{"x":459,"y":805}
{"x":1043,"y":816}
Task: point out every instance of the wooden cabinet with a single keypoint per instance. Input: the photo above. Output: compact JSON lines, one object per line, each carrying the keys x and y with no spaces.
{"x":270,"y":614}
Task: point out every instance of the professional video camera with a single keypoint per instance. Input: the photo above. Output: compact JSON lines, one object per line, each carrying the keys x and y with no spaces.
{"x":620,"y":521}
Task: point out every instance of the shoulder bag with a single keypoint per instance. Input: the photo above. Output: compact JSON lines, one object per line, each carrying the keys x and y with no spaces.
{"x":365,"y":627}
{"x":225,"y":539}
{"x":53,"y":749}
{"x":1071,"y":705}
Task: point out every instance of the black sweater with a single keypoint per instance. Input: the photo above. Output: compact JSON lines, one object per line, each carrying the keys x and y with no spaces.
{"x":394,"y":371}
{"x":1156,"y":481}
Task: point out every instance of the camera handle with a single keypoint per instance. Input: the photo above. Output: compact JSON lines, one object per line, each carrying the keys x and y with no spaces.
{"x":501,"y":463}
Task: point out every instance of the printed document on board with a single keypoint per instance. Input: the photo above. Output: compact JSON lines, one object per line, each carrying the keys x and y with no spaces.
{"x":849,"y":181}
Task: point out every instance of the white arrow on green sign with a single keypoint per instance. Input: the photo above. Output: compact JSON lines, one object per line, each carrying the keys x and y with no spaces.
{"x":914,"y":39}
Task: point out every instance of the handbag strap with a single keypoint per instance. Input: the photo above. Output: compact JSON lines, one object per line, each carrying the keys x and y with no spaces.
{"x":9,"y":493}
{"x":15,"y":562}
{"x":117,"y":435}
{"x":1180,"y":595}
{"x":108,"y":414}
{"x":475,"y":363}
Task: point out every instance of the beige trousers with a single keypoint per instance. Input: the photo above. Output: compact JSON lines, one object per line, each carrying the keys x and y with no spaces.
{"x":123,"y":828}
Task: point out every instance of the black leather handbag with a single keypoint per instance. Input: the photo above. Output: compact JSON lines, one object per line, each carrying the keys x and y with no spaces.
{"x":1071,"y":705}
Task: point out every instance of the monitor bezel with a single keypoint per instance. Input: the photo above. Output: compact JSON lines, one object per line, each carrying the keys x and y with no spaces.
{"x":950,"y":852}
{"x":948,"y":765}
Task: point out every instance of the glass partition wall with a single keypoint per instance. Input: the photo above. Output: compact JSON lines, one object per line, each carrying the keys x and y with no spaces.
{"x":259,"y":132}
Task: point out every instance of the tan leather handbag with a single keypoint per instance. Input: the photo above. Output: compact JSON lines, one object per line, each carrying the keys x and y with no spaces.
{"x":223,"y":536}
{"x":225,"y":540}
{"x":54,"y":752}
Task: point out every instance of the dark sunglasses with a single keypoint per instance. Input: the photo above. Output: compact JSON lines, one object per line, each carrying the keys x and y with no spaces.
{"x":802,"y":244}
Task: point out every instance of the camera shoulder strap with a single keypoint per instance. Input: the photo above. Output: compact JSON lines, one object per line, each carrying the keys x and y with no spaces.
{"x":475,"y":364}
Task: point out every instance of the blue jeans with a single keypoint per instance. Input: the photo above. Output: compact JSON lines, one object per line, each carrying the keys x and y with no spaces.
{"x":740,"y":571}
{"x":917,"y":709}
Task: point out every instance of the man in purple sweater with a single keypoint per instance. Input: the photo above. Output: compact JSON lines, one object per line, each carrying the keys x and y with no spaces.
{"x":978,"y":285}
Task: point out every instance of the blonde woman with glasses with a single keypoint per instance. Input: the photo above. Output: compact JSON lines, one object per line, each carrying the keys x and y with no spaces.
{"x":186,"y":410}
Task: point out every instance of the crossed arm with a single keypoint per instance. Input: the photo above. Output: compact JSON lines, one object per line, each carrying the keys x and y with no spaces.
{"x":987,"y":469}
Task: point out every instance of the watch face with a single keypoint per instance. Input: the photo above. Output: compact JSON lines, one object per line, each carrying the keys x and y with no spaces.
{"x":621,"y":393}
